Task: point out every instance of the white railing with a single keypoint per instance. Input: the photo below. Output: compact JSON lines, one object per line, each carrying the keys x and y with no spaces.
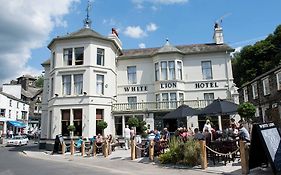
{"x":158,"y":106}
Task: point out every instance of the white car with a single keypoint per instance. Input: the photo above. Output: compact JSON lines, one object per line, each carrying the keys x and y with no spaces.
{"x":17,"y":140}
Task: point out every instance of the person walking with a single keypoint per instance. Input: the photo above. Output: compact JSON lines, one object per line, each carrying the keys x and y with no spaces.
{"x":127,"y":135}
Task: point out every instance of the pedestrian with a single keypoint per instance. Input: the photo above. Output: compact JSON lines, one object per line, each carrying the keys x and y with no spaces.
{"x":127,"y":135}
{"x":243,"y":132}
{"x":198,"y":135}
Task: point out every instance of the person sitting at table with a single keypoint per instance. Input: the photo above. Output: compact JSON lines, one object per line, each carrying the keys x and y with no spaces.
{"x":243,"y":132}
{"x":198,"y":135}
{"x":166,"y":134}
{"x":99,"y":140}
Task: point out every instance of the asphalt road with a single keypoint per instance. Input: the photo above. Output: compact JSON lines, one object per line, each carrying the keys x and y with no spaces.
{"x":14,"y":162}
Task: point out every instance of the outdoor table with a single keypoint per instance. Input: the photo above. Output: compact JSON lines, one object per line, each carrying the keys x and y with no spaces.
{"x":223,"y":146}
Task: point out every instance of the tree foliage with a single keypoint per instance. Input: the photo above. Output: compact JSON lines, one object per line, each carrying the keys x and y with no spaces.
{"x":71,"y":128}
{"x":133,"y":122}
{"x":254,"y":60}
{"x":40,"y":81}
{"x":101,"y":125}
{"x":247,"y":111}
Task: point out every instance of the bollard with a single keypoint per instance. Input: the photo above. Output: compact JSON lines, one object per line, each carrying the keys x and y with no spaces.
{"x":83,"y":149}
{"x":72,"y":147}
{"x":105,"y":148}
{"x":244,"y":155}
{"x":203,"y":154}
{"x":133,"y":149}
{"x":63,"y":148}
{"x":151,"y":150}
{"x":94,"y":149}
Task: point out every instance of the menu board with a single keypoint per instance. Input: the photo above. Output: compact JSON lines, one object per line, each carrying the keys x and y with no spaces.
{"x":265,"y":147}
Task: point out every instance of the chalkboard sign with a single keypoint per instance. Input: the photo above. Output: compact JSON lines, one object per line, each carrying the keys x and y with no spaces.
{"x":265,"y":147}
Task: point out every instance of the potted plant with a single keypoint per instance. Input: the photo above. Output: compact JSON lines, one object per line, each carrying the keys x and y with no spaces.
{"x":71,"y":129}
{"x":101,"y":125}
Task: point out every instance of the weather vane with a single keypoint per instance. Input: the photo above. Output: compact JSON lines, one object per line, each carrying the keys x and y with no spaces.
{"x":87,"y":21}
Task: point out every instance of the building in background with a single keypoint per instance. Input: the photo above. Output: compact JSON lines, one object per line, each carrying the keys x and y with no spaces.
{"x":13,"y":114}
{"x":90,"y":78}
{"x":265,"y":93}
{"x":25,"y":89}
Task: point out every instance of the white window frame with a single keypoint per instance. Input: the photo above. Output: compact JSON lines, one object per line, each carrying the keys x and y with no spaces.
{"x":207,"y":72}
{"x":132,"y":74}
{"x":100,"y":84}
{"x":265,"y":85}
{"x":164,"y":70}
{"x":70,"y":58}
{"x":100,"y":56}
{"x":54,"y":60}
{"x":132,"y":102}
{"x":66,"y":85}
{"x":78,"y":84}
{"x":179,"y":70}
{"x":157,"y":72}
{"x":209,"y":97}
{"x":255,"y":90}
{"x":278,"y":80}
{"x":172,"y":70}
{"x":245,"y":94}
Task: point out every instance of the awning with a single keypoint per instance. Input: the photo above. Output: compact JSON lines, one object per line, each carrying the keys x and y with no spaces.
{"x":17,"y":124}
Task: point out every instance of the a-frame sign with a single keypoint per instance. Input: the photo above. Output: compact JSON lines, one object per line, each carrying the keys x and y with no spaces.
{"x":265,"y":147}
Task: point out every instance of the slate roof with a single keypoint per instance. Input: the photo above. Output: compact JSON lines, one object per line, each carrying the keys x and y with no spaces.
{"x":183,"y":49}
{"x":31,"y":93}
{"x":82,"y":33}
{"x":12,"y":97}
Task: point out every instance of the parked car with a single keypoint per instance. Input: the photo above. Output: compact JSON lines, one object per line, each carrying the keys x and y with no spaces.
{"x":18,"y":140}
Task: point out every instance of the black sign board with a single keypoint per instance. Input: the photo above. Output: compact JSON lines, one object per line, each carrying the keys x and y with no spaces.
{"x":58,"y":143}
{"x":265,"y":147}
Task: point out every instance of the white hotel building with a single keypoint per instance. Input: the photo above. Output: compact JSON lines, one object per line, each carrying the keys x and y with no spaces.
{"x":90,"y":77}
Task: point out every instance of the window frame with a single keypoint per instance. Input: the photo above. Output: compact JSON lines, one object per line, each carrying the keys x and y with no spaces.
{"x":78,"y":56}
{"x":132,"y":74}
{"x":66,"y":91}
{"x":100,"y":57}
{"x":207,"y":72}
{"x":78,"y":84}
{"x":266,"y":87}
{"x":255,"y":90}
{"x":245,"y":94}
{"x":278,"y":80}
{"x":100,"y":83}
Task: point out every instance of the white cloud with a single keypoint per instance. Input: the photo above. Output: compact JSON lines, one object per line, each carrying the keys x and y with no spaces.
{"x":134,"y":32}
{"x":142,"y":45}
{"x":26,"y":25}
{"x":151,"y":27}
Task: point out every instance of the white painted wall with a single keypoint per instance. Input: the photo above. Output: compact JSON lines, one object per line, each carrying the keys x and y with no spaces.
{"x":14,"y":90}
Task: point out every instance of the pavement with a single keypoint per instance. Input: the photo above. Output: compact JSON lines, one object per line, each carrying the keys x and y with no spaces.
{"x":119,"y":161}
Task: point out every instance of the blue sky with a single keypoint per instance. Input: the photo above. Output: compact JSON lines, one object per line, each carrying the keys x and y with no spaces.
{"x":140,"y":23}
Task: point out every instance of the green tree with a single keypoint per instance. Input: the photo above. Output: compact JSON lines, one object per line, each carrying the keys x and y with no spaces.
{"x":40,"y":81}
{"x":247,"y":111}
{"x":254,"y":60}
{"x":133,"y":122}
{"x":101,"y":125}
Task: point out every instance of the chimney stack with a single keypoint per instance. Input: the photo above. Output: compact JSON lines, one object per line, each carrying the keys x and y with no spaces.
{"x":218,"y":34}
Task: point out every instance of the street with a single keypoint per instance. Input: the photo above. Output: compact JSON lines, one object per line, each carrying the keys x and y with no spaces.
{"x":14,"y":162}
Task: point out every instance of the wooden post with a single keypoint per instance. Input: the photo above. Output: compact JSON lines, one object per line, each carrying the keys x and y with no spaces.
{"x":151,"y":150}
{"x":94,"y":149}
{"x":133,"y":149}
{"x":244,"y":155}
{"x":63,"y":148}
{"x":72,"y":147}
{"x":203,"y":154}
{"x":105,"y":150}
{"x":83,"y":149}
